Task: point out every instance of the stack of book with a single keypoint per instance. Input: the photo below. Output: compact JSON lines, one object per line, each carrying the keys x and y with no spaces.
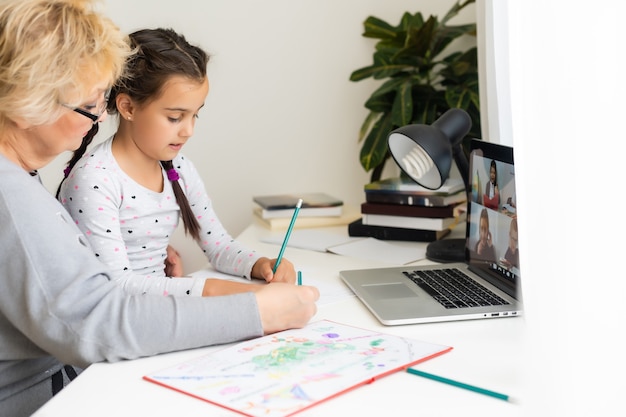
{"x":400,"y":209}
{"x":318,"y":209}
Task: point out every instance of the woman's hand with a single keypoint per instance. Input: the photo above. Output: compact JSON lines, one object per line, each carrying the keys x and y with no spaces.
{"x":283,"y":306}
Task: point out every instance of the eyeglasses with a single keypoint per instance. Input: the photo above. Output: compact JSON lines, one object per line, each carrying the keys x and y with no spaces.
{"x":94,"y":117}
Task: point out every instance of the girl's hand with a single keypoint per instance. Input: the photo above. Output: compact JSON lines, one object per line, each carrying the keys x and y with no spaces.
{"x":216,"y":286}
{"x":173,"y":263}
{"x":285,"y":272}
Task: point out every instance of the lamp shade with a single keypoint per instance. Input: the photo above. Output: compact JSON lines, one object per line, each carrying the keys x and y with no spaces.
{"x":425,"y":152}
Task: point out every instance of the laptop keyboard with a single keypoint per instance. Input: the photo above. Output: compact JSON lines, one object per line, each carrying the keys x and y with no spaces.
{"x":454,"y":289}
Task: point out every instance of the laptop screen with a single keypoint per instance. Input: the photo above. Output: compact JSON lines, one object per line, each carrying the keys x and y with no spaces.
{"x":491,"y":242}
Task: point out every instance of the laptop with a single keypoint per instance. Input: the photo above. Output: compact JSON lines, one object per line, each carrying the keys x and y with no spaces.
{"x":490,"y":288}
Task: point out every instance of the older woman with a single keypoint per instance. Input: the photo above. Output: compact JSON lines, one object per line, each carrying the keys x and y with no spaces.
{"x":58,"y":304}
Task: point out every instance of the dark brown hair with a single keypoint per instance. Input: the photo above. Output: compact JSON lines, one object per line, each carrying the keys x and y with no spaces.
{"x":158,"y":55}
{"x":78,"y":153}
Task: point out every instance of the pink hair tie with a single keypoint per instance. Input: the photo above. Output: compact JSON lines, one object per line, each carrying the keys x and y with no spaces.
{"x":66,"y":171}
{"x":172,"y":175}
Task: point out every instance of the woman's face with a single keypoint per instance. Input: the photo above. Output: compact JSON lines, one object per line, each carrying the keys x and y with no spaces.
{"x":67,"y":132}
{"x":492,"y":174}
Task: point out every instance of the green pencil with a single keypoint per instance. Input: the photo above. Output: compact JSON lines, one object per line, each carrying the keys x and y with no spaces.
{"x":289,"y":229}
{"x":459,"y":384}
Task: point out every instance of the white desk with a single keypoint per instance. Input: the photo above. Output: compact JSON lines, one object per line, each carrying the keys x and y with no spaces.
{"x":487,"y":353}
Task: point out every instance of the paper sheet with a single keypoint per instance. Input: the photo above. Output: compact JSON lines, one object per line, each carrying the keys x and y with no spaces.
{"x":330,"y":292}
{"x":284,"y":373}
{"x":374,"y":249}
{"x":311,"y":239}
{"x":356,"y":247}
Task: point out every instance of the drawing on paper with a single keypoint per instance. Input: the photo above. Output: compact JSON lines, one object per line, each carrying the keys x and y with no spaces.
{"x":281,"y":374}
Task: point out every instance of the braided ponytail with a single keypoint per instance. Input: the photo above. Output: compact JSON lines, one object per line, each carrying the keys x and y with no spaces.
{"x":192,"y":227}
{"x":78,"y":153}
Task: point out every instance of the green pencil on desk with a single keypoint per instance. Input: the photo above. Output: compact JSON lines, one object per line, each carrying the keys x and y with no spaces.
{"x":289,"y":229}
{"x":460,"y":384}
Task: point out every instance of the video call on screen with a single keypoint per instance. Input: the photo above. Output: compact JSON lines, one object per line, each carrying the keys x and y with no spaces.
{"x":492,"y":238}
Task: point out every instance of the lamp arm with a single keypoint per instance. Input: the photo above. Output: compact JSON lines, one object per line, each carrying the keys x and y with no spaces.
{"x":461,"y":162}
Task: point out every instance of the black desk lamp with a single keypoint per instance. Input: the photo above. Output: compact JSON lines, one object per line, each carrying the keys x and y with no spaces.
{"x":425,"y":154}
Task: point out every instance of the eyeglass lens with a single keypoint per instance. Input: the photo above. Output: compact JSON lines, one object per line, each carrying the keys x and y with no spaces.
{"x":94,"y":117}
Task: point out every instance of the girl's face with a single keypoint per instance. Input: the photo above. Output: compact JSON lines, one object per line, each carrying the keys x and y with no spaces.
{"x":483,"y":230}
{"x":162,"y":126}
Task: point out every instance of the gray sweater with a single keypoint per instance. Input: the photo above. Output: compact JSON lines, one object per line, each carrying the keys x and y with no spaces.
{"x":59,"y":304}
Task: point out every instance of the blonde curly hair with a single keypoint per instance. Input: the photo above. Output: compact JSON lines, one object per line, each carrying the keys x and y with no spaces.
{"x":52,"y":52}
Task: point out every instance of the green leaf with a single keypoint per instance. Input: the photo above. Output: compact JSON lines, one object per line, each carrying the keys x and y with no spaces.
{"x":402,"y":110}
{"x":419,"y":39}
{"x":426,"y":97}
{"x":374,"y":150}
{"x":460,"y":67}
{"x":378,"y":28}
{"x":367,"y":123}
{"x":361,"y":74}
{"x":388,"y":48}
{"x":390,"y":86}
{"x":417,"y":20}
{"x":447,"y":34}
{"x":381,"y":103}
{"x":430,"y":110}
{"x":387,"y":71}
{"x":454,"y":10}
{"x":382,"y":68}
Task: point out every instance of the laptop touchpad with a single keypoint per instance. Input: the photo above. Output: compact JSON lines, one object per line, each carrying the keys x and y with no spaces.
{"x":394,"y":290}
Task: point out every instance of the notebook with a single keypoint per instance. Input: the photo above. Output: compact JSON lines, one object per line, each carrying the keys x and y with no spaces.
{"x":284,"y":373}
{"x":424,"y":294}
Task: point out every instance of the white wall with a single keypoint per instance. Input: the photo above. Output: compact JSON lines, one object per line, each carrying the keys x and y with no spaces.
{"x":281,"y":115}
{"x":567,"y":81}
{"x":493,"y":60}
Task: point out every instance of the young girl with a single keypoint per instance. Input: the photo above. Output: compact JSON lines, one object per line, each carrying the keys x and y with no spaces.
{"x":128,"y":193}
{"x":484,"y":247}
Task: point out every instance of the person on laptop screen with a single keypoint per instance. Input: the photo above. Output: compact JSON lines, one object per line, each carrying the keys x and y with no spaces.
{"x":491,"y":198}
{"x":484,"y":249}
{"x":511,"y":256}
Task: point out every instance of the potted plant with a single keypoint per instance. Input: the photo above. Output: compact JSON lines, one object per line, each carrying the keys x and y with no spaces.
{"x":421,"y":83}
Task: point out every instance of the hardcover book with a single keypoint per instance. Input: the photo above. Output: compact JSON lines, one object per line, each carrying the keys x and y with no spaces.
{"x":289,"y":201}
{"x":358,"y":229}
{"x":349,"y":214}
{"x":287,"y":372}
{"x":410,"y":199}
{"x":425,"y":223}
{"x":450,"y":186}
{"x":304,"y":212}
{"x":408,"y":210}
{"x":313,"y":205}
